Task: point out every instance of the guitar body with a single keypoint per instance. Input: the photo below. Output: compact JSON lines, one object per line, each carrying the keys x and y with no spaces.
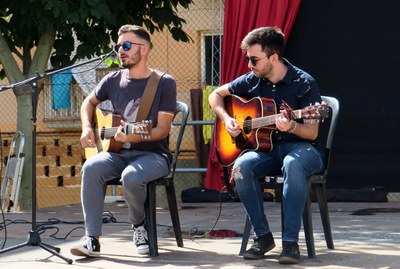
{"x":105,"y":126}
{"x":104,"y":142}
{"x":228,"y":148}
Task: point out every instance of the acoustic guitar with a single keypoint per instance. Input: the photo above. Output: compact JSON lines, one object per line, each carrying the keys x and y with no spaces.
{"x":256,"y":118}
{"x":105,"y":127}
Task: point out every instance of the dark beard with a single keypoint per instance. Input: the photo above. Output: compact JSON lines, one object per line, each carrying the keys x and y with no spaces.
{"x":135,"y":59}
{"x":126,"y":65}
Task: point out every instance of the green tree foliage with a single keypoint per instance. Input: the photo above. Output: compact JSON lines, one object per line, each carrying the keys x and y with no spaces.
{"x":38,"y":30}
{"x":48,"y":24}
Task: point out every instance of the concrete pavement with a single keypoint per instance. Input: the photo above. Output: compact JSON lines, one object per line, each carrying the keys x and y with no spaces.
{"x":366,"y":235}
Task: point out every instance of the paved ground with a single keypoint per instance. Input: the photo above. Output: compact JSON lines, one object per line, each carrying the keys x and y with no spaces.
{"x":368,"y":239}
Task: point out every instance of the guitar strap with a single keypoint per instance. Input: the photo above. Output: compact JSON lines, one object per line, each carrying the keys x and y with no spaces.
{"x":148,"y":95}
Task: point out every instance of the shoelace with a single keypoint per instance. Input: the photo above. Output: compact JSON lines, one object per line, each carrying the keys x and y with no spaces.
{"x":140,"y":235}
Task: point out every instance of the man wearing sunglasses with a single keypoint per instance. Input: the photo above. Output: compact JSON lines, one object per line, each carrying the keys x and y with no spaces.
{"x":142,"y":158}
{"x":295,"y":152}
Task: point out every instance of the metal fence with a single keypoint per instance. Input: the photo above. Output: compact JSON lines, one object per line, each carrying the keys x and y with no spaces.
{"x":59,"y":155}
{"x":194,"y":65}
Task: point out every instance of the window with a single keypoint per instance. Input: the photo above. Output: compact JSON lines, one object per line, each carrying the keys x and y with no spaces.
{"x":211,"y":58}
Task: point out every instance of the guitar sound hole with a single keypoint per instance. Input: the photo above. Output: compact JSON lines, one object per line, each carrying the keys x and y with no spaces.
{"x":247,"y":125}
{"x":102,"y":133}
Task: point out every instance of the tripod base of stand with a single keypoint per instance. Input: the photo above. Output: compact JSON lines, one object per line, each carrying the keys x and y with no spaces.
{"x":34,"y":241}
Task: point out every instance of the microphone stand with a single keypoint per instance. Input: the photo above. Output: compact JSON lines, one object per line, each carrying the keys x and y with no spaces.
{"x":33,"y":236}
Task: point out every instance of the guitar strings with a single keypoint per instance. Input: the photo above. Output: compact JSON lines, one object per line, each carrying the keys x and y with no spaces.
{"x":270,"y":119}
{"x":258,"y":122}
{"x":110,"y":131}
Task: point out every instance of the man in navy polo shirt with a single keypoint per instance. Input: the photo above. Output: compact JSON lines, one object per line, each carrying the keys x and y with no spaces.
{"x":294,"y":153}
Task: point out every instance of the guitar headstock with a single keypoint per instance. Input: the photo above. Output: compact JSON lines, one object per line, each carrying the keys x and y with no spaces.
{"x":315,"y":112}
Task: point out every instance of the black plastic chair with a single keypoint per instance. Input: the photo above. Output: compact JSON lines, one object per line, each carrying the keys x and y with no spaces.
{"x":317,"y":182}
{"x":168,"y":183}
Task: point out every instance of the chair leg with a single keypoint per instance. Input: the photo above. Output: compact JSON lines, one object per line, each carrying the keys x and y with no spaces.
{"x":150,"y":209}
{"x":173,"y":210}
{"x":308,"y":228}
{"x":324,"y":212}
{"x":247,"y":226}
{"x":280,"y":190}
{"x":246,"y":236}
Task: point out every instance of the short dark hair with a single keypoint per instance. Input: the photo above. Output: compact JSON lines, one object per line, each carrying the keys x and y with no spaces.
{"x":271,"y":39}
{"x":137,"y":30}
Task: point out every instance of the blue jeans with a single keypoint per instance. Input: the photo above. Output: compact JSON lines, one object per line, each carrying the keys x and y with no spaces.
{"x":296,"y":161}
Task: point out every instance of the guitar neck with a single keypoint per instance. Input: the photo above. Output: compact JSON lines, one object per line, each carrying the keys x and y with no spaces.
{"x":128,"y":129}
{"x":271,"y":119}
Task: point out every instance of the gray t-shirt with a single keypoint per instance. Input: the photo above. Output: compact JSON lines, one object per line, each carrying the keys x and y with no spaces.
{"x":122,"y":95}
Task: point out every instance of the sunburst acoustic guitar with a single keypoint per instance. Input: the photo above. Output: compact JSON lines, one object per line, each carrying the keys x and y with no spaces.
{"x":256,"y":118}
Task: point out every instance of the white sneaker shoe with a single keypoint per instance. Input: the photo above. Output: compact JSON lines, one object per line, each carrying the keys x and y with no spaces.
{"x":140,"y":239}
{"x":88,"y":247}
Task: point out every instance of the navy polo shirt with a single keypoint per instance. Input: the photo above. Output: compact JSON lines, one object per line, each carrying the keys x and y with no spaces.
{"x":297,"y":88}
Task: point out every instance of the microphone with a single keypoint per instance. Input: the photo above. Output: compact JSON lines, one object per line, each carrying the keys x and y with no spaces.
{"x":113,"y":55}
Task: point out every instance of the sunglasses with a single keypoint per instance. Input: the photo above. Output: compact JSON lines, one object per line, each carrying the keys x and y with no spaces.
{"x":254,"y":60}
{"x":126,"y":46}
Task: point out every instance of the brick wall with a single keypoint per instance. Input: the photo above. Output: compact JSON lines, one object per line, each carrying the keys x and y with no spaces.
{"x":59,"y":163}
{"x":58,"y":166}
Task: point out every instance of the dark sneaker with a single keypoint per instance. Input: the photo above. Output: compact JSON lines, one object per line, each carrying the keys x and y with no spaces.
{"x":290,"y":253}
{"x":88,"y":246}
{"x":140,"y":239}
{"x":261,"y":245}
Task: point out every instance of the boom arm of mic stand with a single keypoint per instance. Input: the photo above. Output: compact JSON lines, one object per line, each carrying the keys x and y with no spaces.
{"x":49,"y":73}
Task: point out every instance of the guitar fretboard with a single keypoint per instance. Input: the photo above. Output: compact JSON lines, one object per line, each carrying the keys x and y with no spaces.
{"x":110,"y":132}
{"x":267,"y":120}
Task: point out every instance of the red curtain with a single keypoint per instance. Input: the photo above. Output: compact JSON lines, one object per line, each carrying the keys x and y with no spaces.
{"x":242,"y":16}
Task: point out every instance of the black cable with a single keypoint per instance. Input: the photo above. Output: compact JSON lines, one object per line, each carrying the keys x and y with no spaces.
{"x":195,"y":229}
{"x":1,"y":204}
{"x":42,"y":227}
{"x":3,"y":227}
{"x":108,"y":217}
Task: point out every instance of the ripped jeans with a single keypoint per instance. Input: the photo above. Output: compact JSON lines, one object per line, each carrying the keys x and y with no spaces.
{"x":296,"y":161}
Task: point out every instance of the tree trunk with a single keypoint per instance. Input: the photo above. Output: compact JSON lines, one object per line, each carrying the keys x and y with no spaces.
{"x":25,"y":125}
